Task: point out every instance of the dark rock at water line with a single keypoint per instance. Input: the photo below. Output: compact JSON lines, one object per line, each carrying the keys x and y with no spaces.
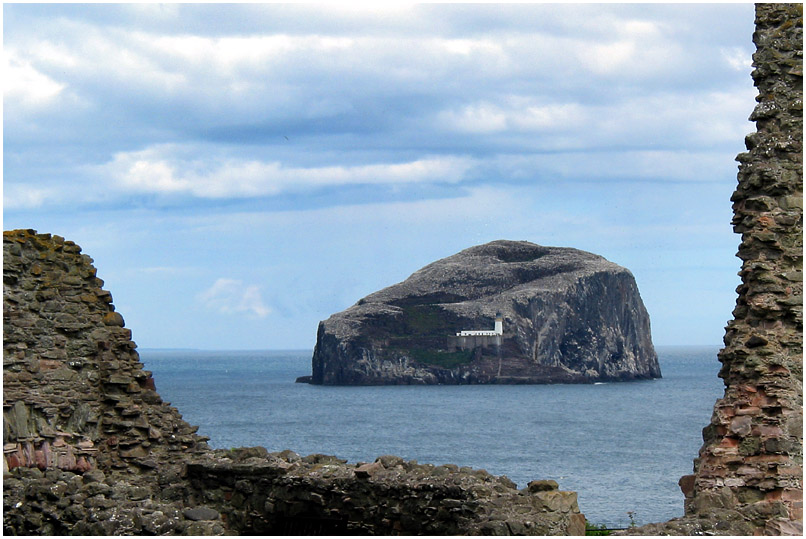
{"x":503,"y":312}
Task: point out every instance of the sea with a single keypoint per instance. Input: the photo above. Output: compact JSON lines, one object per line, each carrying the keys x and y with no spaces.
{"x":621,"y":446}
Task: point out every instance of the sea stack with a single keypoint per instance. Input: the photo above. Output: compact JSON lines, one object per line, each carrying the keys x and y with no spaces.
{"x":506,"y":312}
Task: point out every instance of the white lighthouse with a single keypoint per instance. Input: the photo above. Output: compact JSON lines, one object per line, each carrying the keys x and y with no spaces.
{"x":498,"y":330}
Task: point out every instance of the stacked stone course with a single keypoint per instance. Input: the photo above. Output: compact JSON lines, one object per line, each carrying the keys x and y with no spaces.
{"x":285,"y":494}
{"x":91,"y":448}
{"x":72,"y":380}
{"x":752,"y":458}
{"x":748,"y":478}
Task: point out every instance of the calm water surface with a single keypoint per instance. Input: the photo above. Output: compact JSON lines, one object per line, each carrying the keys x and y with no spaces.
{"x":621,"y":446}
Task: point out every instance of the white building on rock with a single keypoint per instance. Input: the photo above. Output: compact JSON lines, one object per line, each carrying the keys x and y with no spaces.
{"x":499,"y":329}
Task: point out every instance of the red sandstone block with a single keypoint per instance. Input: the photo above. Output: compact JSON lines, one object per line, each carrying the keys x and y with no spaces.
{"x":82,"y":465}
{"x":49,"y":364}
{"x":768,"y":430}
{"x":791,"y":470}
{"x":791,"y":495}
{"x":796,"y":511}
{"x":749,"y":410}
{"x":712,"y":472}
{"x":762,"y":459}
{"x":40,"y":460}
{"x":726,"y":412}
{"x":765,"y":220}
{"x":750,"y":472}
{"x":12,"y":460}
{"x":576,"y":524}
{"x":687,"y":485}
{"x":727,"y":441}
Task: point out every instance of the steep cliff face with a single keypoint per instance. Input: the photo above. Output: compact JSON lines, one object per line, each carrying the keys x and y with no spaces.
{"x":568,"y":316}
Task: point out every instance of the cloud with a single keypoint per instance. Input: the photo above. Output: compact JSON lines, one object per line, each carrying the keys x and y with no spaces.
{"x":690,"y":122}
{"x":23,"y":197}
{"x":177,"y":107}
{"x":158,"y":170}
{"x":523,"y":114}
{"x":231,"y":296}
{"x":26,"y":86}
{"x":737,"y":58}
{"x":182,"y":81}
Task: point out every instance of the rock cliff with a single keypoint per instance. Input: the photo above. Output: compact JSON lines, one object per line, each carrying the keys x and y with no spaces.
{"x":568,"y":316}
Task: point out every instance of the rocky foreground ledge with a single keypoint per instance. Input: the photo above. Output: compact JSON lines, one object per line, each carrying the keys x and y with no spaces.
{"x":253,"y":492}
{"x":318,"y":494}
{"x":565,"y":316}
{"x":90,"y":447}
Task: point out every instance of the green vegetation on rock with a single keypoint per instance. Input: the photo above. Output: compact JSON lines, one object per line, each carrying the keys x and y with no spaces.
{"x":428,"y":320}
{"x":596,"y":529}
{"x":441,"y":358}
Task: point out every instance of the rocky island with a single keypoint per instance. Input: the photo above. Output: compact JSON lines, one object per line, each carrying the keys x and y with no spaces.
{"x":502,"y":312}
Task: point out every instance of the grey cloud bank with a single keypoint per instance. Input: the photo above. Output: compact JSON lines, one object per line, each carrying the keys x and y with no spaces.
{"x":322,"y":153}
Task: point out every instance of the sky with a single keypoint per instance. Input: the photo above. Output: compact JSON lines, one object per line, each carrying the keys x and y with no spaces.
{"x":240,"y":172}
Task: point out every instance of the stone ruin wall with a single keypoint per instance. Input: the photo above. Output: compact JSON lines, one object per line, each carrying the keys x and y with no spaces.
{"x":75,"y":396}
{"x":285,"y":494}
{"x":748,"y":478}
{"x":752,"y":457}
{"x":90,"y":448}
{"x":86,"y":437}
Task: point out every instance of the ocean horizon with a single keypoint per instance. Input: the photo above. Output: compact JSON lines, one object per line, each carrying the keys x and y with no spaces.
{"x":622,"y":446}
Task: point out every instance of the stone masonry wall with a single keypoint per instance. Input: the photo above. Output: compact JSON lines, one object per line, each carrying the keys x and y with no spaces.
{"x":748,"y":478}
{"x":90,"y":448}
{"x":72,"y":380}
{"x":285,"y":494}
{"x":752,"y":459}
